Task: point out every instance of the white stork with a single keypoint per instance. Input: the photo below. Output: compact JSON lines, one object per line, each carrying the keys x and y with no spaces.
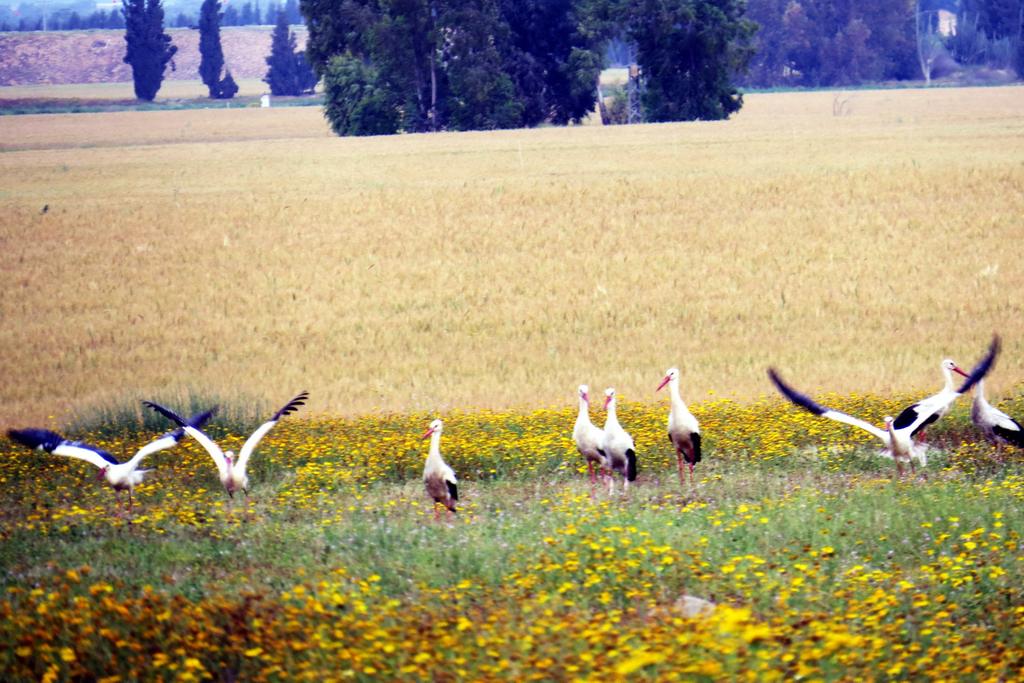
{"x":438,"y":477}
{"x":618,"y":444}
{"x":899,"y":433}
{"x":232,"y":472}
{"x":123,"y":476}
{"x":997,"y":426}
{"x":683,"y":428}
{"x":589,"y":437}
{"x":948,"y":366}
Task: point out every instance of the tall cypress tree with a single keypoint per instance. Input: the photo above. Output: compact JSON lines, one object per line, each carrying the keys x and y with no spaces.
{"x":281,"y":67}
{"x":211,"y":60}
{"x":289,"y":72}
{"x":148,"y":47}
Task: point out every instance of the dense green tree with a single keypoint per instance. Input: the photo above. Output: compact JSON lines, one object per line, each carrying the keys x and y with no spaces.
{"x":211,"y":55}
{"x":288,"y":72}
{"x":356,"y":101}
{"x":149,"y":49}
{"x":846,"y":42}
{"x":481,"y":93}
{"x":552,"y":60}
{"x":690,"y":52}
{"x":997,"y":21}
{"x":460,"y":64}
{"x":769,"y":65}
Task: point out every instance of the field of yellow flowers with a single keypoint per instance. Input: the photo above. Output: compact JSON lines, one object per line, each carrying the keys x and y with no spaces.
{"x":821,"y":564}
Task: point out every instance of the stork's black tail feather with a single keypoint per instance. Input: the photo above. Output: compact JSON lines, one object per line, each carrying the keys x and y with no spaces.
{"x":631,"y":465}
{"x":1013,"y":437}
{"x":695,"y":440}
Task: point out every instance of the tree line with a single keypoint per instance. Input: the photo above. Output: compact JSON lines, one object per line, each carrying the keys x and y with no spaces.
{"x":428,"y":65}
{"x":68,"y":19}
{"x":824,"y":43}
{"x":149,"y":50}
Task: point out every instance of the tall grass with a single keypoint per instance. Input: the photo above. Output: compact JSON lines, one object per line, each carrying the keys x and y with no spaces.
{"x":126,"y":415}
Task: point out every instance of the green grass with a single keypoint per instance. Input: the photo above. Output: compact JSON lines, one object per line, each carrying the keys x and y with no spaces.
{"x":338,"y":545}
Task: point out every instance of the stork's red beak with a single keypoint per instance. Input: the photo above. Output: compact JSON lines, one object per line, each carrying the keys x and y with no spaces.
{"x":957,"y":370}
{"x":426,"y":434}
{"x":663,"y":383}
{"x":586,"y":397}
{"x":100,"y":475}
{"x":607,"y":400}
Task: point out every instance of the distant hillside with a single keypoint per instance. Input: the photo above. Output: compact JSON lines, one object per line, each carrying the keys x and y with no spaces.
{"x":58,"y":57}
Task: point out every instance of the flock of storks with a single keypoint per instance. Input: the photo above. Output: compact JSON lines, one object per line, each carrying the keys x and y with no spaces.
{"x":606,"y":450}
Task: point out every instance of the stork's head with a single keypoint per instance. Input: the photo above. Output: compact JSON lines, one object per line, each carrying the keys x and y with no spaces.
{"x":950,"y":364}
{"x":230,"y":457}
{"x":888,"y":420}
{"x":584,"y":393}
{"x":671,"y":375}
{"x":435,"y":428}
{"x":609,"y":397}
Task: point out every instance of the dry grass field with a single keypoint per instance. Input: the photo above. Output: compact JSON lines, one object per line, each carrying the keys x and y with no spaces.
{"x":851,"y":239}
{"x":169,"y":90}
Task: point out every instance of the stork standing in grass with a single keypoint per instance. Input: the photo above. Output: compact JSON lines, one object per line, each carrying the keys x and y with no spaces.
{"x":997,"y":426}
{"x":438,"y":477}
{"x":124,"y":476}
{"x":232,"y":472}
{"x":589,"y":438}
{"x":618,"y":444}
{"x":898,"y":435}
{"x":683,"y":428}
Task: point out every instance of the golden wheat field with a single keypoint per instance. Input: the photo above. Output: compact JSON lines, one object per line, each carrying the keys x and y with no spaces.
{"x":852,"y":239}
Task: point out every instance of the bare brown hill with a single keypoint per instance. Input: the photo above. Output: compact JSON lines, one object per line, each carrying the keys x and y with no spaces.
{"x":58,"y":57}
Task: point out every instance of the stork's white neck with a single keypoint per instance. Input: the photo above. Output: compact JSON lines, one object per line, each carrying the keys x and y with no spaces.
{"x":584,"y":413}
{"x":435,"y":446}
{"x":677,"y":400}
{"x":612,"y":418}
{"x":949,"y":379}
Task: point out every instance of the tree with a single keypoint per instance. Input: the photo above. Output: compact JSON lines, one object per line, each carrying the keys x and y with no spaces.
{"x":847,"y":42}
{"x":769,"y":65}
{"x":553,"y":62}
{"x":464,"y":64}
{"x":291,"y":11}
{"x":211,"y":61}
{"x":288,"y":73}
{"x":482,"y":95}
{"x":356,"y":101}
{"x":929,"y":45}
{"x":227,"y":88}
{"x":689,"y":51}
{"x":149,"y":49}
{"x":997,"y":20}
